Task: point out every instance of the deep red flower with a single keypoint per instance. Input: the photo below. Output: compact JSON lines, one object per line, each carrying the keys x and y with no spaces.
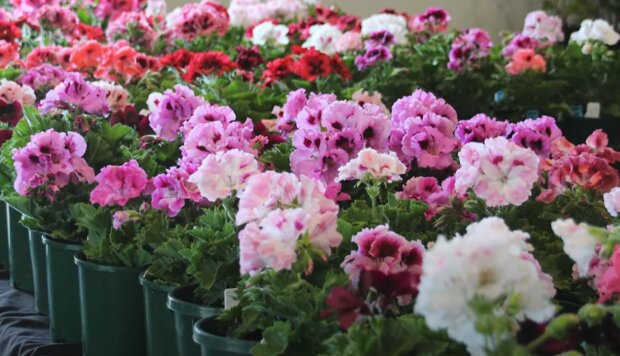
{"x":346,"y":304}
{"x":325,"y":13}
{"x":9,"y":31}
{"x":349,"y":23}
{"x":277,"y":69}
{"x":207,"y":63}
{"x":530,"y":331}
{"x":313,"y":64}
{"x":88,"y":32}
{"x":248,"y":58}
{"x":339,"y":68}
{"x":390,"y":285}
{"x":5,"y":135}
{"x":178,"y":59}
{"x":132,"y":118}
{"x":10,"y":113}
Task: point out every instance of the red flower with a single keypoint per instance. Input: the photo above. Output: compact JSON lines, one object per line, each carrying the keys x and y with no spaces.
{"x":339,"y":68}
{"x":277,"y":69}
{"x":349,"y":23}
{"x":88,"y":32}
{"x":248,"y":58}
{"x":10,"y":113}
{"x":347,"y":304}
{"x":313,"y":64}
{"x":9,"y":32}
{"x":207,"y":63}
{"x":131,"y":117}
{"x":302,"y":28}
{"x":179,"y":58}
{"x":5,"y":135}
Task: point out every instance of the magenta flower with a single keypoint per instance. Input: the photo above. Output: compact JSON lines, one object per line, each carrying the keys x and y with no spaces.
{"x":295,"y":102}
{"x":116,"y":185}
{"x":198,"y":19}
{"x":536,"y":134}
{"x":42,"y":77}
{"x":208,"y":113}
{"x":479,"y":128}
{"x":544,"y":28}
{"x":372,"y":57}
{"x":168,"y":194}
{"x":379,"y":39}
{"x":433,"y":20}
{"x":469,"y":49}
{"x":215,"y":136}
{"x":168,"y":111}
{"x":50,"y":161}
{"x":77,"y":92}
{"x":520,"y":41}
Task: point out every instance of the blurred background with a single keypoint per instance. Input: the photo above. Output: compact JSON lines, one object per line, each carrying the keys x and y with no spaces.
{"x":492,"y":15}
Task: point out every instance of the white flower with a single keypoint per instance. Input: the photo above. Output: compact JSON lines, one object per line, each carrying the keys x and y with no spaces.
{"x":579,"y":243}
{"x":11,"y":92}
{"x":268,"y":32}
{"x":370,"y":163}
{"x":117,"y":97}
{"x":224,"y":172}
{"x":595,"y":30}
{"x":155,"y":7}
{"x":489,"y":262}
{"x":396,"y":24}
{"x":612,"y":201}
{"x":246,"y":13}
{"x":324,"y":38}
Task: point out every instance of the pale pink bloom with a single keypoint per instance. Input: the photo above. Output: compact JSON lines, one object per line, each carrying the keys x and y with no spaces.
{"x":349,"y":41}
{"x":612,"y":201}
{"x":363,"y":97}
{"x":116,"y":96}
{"x":579,"y":244}
{"x":608,"y":281}
{"x":271,"y":244}
{"x":223,"y":173}
{"x":374,"y":165}
{"x":499,"y":171}
{"x":264,"y":192}
{"x":11,"y":92}
{"x":544,"y":28}
{"x":323,"y":224}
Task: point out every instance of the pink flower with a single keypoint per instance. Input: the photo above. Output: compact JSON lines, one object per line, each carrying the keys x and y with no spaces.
{"x":198,"y":19}
{"x":608,"y":282}
{"x":50,"y":161}
{"x":295,"y":102}
{"x":206,"y":113}
{"x":9,"y":53}
{"x":469,"y":49}
{"x":42,"y":77}
{"x":52,"y":17}
{"x":536,"y":134}
{"x":381,"y":250}
{"x":119,"y":29}
{"x":544,"y":28}
{"x":499,"y":171}
{"x":77,"y":92}
{"x":169,"y":193}
{"x":520,"y":41}
{"x":433,"y":20}
{"x":222,"y":173}
{"x":373,"y":165}
{"x":122,"y":217}
{"x":612,"y":201}
{"x":362,"y":97}
{"x":215,"y":136}
{"x":418,"y":104}
{"x":115,"y":8}
{"x":11,"y":92}
{"x":427,"y":190}
{"x":169,"y":110}
{"x":264,"y":192}
{"x":479,"y":128}
{"x":116,"y":185}
{"x":271,"y":244}
{"x":526,"y":59}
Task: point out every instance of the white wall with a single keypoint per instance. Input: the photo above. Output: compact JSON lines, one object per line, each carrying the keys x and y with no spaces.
{"x":491,"y":15}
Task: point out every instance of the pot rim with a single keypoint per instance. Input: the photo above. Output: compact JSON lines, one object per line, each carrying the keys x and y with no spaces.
{"x":81,"y":262}
{"x":180,"y":305}
{"x":202,"y":337}
{"x":62,"y":245}
{"x":145,"y":282}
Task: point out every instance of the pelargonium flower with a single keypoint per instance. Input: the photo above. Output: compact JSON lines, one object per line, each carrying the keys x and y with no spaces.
{"x":434,"y":20}
{"x":122,"y":217}
{"x":130,"y":24}
{"x":595,"y":30}
{"x":428,"y":190}
{"x":395,"y":24}
{"x":520,"y":41}
{"x":216,"y":136}
{"x":269,"y":32}
{"x":116,"y":185}
{"x":42,"y":77}
{"x":223,"y":173}
{"x":379,"y":39}
{"x":57,"y":17}
{"x":579,"y":244}
{"x":607,"y":282}
{"x":207,"y":113}
{"x":349,"y":41}
{"x":612,"y":201}
{"x":114,"y":8}
{"x":489,"y":263}
{"x":116,"y":96}
{"x":372,"y":57}
{"x":362,"y":97}
{"x":536,"y":134}
{"x":9,"y":53}
{"x":544,"y":28}
{"x":499,"y":171}
{"x":479,"y":128}
{"x":324,"y":38}
{"x":245,"y":13}
{"x":469,"y":49}
{"x":87,"y":55}
{"x":75,"y":91}
{"x":208,"y":63}
{"x":384,"y":253}
{"x":370,"y":164}
{"x":169,"y":110}
{"x":526,"y":59}
{"x":248,"y":58}
{"x":9,"y":31}
{"x":11,"y":92}
{"x":172,"y":189}
{"x":50,"y":161}
{"x":198,"y":19}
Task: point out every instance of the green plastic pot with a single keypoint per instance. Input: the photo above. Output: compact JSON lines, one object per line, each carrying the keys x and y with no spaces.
{"x":211,"y":344}
{"x":63,"y":290}
{"x":4,"y":237}
{"x":112,"y":309}
{"x":160,"y":332}
{"x":39,"y":271}
{"x":186,"y":314}
{"x":19,"y":253}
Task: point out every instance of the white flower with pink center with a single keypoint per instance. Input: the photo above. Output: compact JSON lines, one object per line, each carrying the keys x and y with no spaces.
{"x":374,"y":165}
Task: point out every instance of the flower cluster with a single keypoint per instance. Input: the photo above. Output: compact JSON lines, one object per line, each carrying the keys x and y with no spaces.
{"x":50,"y":161}
{"x":330,"y":133}
{"x":370,"y":164}
{"x":284,"y":213}
{"x":116,"y":185}
{"x":544,"y":28}
{"x":432,"y":20}
{"x":499,"y":171}
{"x":77,"y":93}
{"x":526,"y":59}
{"x":199,"y":19}
{"x":423,"y":130}
{"x":43,"y":77}
{"x":595,"y":31}
{"x":428,"y":190}
{"x":173,"y":188}
{"x":479,"y":128}
{"x":377,"y":50}
{"x":491,"y":263}
{"x":469,"y":49}
{"x":168,"y":111}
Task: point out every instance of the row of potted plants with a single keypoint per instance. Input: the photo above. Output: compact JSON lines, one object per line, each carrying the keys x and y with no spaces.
{"x":163,"y":197}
